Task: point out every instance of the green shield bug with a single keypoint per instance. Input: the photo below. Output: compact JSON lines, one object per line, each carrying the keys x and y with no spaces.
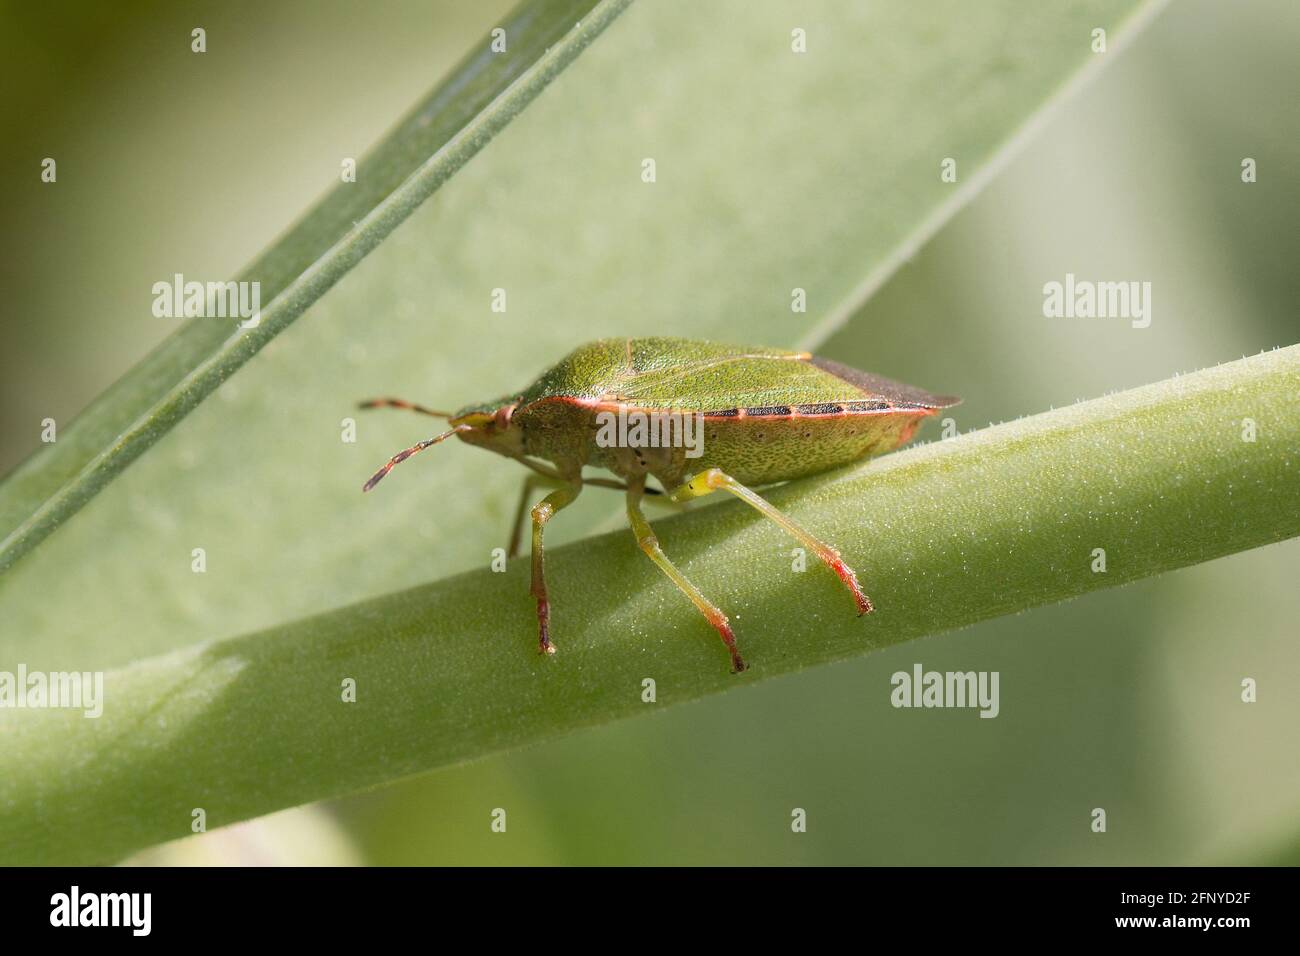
{"x":742,"y":417}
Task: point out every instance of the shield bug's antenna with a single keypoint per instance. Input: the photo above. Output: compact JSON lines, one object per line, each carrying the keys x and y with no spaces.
{"x":403,"y":455}
{"x":401,"y":403}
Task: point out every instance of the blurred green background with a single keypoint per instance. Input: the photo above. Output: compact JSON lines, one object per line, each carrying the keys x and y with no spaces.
{"x":1128,"y":699}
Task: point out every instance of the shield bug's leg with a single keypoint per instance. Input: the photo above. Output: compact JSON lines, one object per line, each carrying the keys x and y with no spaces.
{"x":531,"y":482}
{"x":543,"y":511}
{"x":645,"y":537}
{"x":714,"y":479}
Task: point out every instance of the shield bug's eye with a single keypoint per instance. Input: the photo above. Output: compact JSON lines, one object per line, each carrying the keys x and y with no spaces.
{"x":502,"y":417}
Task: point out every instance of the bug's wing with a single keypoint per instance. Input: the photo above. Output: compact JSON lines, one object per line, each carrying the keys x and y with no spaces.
{"x":711,"y":381}
{"x":885,"y":389}
{"x":647,"y":368}
{"x":764,"y":379}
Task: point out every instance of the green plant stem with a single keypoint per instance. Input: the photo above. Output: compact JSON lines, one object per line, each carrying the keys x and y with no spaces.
{"x":942,"y":535}
{"x":426,"y":148}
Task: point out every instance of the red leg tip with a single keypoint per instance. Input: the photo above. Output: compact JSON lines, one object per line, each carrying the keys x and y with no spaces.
{"x":544,"y":645}
{"x":723,"y":627}
{"x":845,"y":574}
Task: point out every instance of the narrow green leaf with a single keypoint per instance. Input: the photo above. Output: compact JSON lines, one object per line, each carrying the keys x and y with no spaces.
{"x":434,"y":141}
{"x":943,"y":535}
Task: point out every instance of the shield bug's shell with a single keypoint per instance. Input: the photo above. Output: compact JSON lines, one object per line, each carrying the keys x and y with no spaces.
{"x":770,"y":414}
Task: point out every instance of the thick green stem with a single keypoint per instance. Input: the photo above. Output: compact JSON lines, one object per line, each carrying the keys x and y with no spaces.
{"x":942,"y":535}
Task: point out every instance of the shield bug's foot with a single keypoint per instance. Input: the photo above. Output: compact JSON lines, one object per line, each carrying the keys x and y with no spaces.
{"x":845,"y":574}
{"x":738,"y":665}
{"x":723,"y":627}
{"x":544,"y":645}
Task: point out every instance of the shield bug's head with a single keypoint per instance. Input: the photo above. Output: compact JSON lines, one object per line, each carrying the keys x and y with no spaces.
{"x":487,"y":425}
{"x":490,"y":425}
